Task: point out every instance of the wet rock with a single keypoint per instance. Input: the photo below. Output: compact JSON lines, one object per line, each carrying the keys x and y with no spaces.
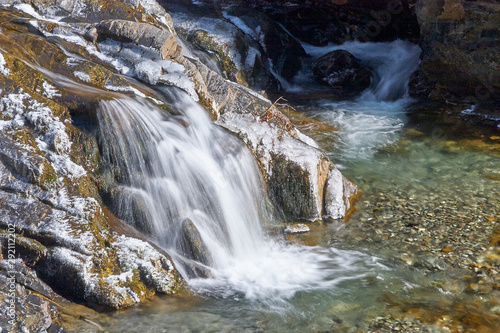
{"x":342,"y":71}
{"x":194,"y":247}
{"x":142,"y":34}
{"x":32,"y":312}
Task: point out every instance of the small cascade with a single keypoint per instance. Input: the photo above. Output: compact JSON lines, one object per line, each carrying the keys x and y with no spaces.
{"x":184,"y":180}
{"x":374,"y":120}
{"x":392,"y":63}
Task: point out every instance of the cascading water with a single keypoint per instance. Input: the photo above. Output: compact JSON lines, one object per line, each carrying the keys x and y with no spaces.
{"x":375,"y":118}
{"x":392,"y":64}
{"x":184,"y":168}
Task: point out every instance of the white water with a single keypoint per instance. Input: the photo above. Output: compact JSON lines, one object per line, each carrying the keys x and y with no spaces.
{"x":184,"y":166}
{"x":375,"y":118}
{"x":392,"y":64}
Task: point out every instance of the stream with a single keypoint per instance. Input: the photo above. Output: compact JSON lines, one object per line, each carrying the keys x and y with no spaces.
{"x":430,"y":199}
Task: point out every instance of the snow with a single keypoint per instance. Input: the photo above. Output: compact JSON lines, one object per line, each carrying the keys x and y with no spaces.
{"x":135,"y":254}
{"x":296,"y":228}
{"x":82,"y":76}
{"x":49,"y":90}
{"x":219,"y":31}
{"x":70,"y":61}
{"x":304,"y":138}
{"x":28,"y":9}
{"x":3,"y":70}
{"x":149,"y":71}
{"x":53,"y":139}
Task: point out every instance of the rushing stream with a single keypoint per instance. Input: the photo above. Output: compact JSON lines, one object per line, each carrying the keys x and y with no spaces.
{"x":183,"y":168}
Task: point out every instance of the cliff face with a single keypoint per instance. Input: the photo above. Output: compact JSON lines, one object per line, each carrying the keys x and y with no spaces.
{"x":460,"y":50}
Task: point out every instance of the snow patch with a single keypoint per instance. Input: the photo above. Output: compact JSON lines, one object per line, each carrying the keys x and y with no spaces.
{"x":149,"y":71}
{"x":3,"y":70}
{"x":134,"y":254}
{"x":53,"y":139}
{"x":49,"y":90}
{"x":82,"y":76}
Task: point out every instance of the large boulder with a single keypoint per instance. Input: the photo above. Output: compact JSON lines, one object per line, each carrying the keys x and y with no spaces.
{"x":142,"y":34}
{"x":342,"y":71}
{"x":459,"y":41}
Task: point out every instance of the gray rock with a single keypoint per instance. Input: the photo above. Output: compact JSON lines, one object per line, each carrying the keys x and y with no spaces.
{"x":141,"y":33}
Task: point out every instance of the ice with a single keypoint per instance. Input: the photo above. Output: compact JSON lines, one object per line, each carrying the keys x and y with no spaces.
{"x":149,"y":71}
{"x":335,"y":207}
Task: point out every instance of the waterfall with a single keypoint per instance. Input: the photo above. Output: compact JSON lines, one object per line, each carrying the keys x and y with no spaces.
{"x":198,"y":191}
{"x":183,"y":168}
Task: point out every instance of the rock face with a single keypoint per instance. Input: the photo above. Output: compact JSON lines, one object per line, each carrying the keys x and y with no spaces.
{"x":321,"y":22}
{"x":50,"y":205}
{"x":343,"y":72}
{"x":459,"y":41}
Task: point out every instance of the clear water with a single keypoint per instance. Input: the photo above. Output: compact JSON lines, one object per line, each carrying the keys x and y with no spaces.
{"x":347,"y":280}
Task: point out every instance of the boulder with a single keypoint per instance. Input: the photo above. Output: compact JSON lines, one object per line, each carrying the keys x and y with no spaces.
{"x":142,"y":34}
{"x":193,"y":244}
{"x":194,"y":251}
{"x":342,"y":71}
{"x":459,"y":41}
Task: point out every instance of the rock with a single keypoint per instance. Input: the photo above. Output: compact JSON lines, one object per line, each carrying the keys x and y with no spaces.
{"x":342,"y":71}
{"x":236,"y":52}
{"x":321,"y":22}
{"x":296,"y":172}
{"x":281,"y":48}
{"x":194,"y":246}
{"x":22,"y":161}
{"x":459,"y":50}
{"x":32,"y":312}
{"x":142,"y":34}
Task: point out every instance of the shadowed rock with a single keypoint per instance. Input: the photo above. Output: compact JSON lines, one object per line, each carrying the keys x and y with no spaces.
{"x":193,"y":247}
{"x":341,"y":70}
